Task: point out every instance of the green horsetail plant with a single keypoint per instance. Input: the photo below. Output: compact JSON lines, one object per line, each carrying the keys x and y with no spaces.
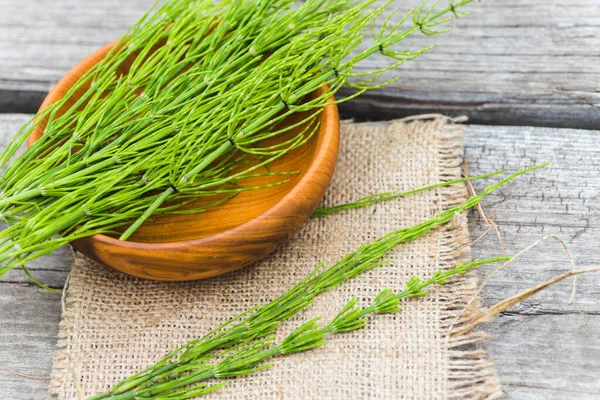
{"x":250,"y":357}
{"x":180,"y":109}
{"x":259,"y":324}
{"x":387,"y":196}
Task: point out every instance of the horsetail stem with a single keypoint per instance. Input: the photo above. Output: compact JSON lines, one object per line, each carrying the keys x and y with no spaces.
{"x":308,"y":336}
{"x":387,"y":196}
{"x":190,"y":86}
{"x":260,"y":323}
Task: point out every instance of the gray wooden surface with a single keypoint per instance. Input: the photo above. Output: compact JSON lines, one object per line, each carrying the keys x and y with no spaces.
{"x":513,"y":62}
{"x":544,"y":348}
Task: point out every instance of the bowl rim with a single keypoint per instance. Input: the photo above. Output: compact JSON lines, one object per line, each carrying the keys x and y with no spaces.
{"x":328,"y":141}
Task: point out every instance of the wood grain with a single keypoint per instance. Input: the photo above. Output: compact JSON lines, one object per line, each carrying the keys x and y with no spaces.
{"x":512,"y":62}
{"x":30,"y":318}
{"x":544,"y":348}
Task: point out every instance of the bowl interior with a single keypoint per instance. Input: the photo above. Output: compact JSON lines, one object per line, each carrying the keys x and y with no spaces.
{"x":239,"y":209}
{"x":228,"y":214}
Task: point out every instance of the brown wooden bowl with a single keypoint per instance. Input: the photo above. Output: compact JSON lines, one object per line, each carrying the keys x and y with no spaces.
{"x":226,"y":237}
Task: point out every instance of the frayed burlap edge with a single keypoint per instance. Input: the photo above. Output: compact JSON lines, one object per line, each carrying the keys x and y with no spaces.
{"x":472,"y":374}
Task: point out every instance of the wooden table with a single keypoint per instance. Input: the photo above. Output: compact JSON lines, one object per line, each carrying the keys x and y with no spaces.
{"x":531,"y":64}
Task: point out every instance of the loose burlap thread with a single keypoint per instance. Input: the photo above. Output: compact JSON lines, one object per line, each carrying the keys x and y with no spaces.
{"x":114,"y":325}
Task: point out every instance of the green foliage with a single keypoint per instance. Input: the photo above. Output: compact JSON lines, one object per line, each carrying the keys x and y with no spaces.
{"x":209,"y":82}
{"x":247,"y":339}
{"x":307,"y":337}
{"x":387,"y":196}
{"x":350,"y":318}
{"x":310,"y":335}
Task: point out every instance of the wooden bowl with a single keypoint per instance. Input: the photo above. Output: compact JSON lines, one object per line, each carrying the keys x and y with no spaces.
{"x":226,"y":237}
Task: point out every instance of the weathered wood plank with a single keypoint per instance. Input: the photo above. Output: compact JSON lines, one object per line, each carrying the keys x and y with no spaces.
{"x":513,"y":62}
{"x":29,"y":324}
{"x":544,"y":349}
{"x":550,"y":357}
{"x":561,"y":199}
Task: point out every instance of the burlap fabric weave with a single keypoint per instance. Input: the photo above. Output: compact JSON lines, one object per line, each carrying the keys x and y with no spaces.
{"x":114,"y":325}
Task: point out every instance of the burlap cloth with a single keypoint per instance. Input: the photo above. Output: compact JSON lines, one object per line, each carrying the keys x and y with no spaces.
{"x":113,"y":325}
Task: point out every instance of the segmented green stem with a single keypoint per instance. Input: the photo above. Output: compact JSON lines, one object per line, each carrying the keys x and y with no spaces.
{"x":208,"y":84}
{"x":250,"y":358}
{"x":261,"y":323}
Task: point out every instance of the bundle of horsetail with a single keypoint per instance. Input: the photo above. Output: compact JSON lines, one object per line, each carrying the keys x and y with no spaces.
{"x":243,"y":344}
{"x":188,"y":379}
{"x":208,"y":82}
